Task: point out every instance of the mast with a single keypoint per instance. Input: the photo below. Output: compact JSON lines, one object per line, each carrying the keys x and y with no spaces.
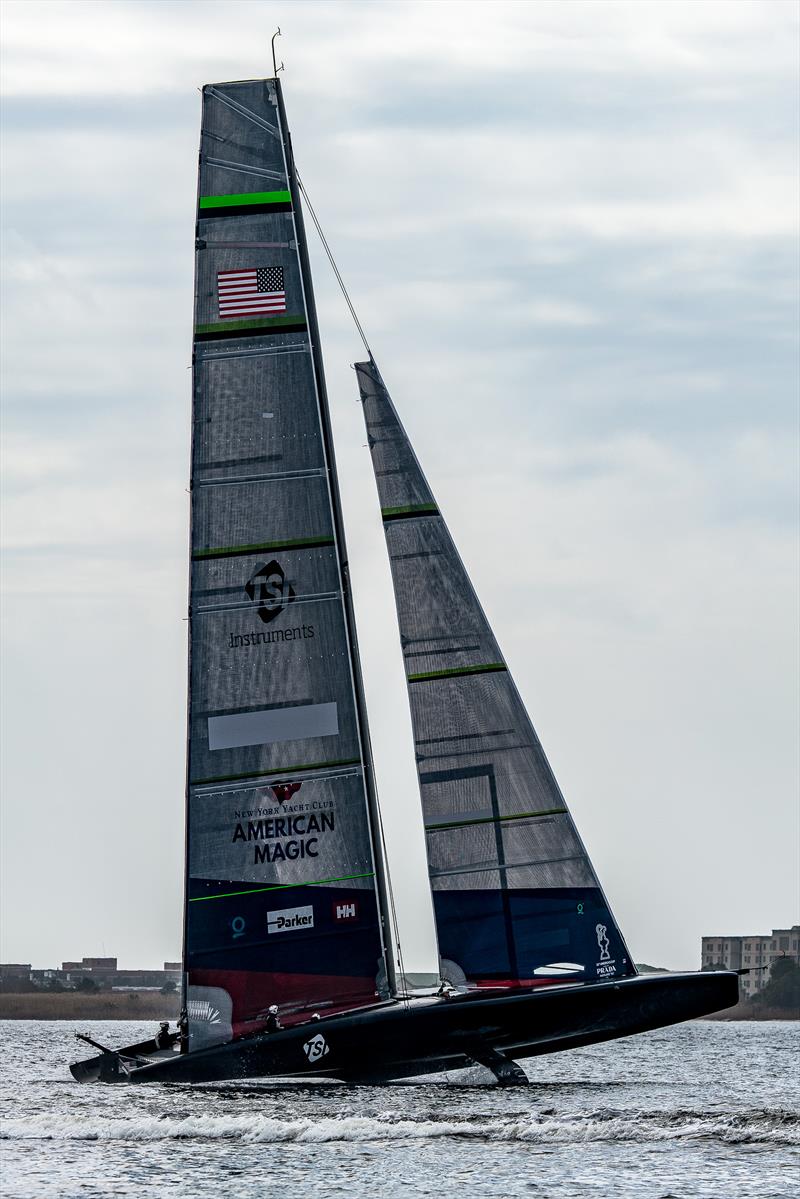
{"x":382,"y":876}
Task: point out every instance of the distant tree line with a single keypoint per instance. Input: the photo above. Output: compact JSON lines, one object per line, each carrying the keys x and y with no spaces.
{"x":781,"y":991}
{"x":53,"y":986}
{"x":783,"y":988}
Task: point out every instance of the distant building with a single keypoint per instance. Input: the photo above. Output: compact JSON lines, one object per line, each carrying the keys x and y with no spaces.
{"x":44,"y":976}
{"x":759,"y":950}
{"x":102,"y":971}
{"x":14,"y":970}
{"x":108,"y":975}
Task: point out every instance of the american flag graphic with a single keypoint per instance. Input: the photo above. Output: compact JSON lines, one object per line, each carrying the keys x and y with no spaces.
{"x":251,"y":291}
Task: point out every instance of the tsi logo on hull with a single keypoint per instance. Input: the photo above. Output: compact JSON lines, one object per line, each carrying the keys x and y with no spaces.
{"x":289,"y":919}
{"x":316,"y":1048}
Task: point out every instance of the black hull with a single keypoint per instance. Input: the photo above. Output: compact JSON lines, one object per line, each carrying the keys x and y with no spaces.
{"x":398,"y":1040}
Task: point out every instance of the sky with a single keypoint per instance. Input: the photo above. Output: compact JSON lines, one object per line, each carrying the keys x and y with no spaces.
{"x":570,"y":230}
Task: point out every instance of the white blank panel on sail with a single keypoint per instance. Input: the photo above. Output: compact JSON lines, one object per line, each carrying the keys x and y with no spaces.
{"x":272,"y":724}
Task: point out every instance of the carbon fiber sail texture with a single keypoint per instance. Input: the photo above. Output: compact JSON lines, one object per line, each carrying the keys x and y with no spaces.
{"x":516,"y":899}
{"x":281,"y":903}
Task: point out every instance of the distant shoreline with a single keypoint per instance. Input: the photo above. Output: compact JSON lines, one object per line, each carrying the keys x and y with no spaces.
{"x":148,"y":1005}
{"x":747,"y":1011}
{"x":107,"y":1005}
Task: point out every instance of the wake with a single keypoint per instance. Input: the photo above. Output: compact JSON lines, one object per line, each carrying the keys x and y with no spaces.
{"x":770,"y":1126}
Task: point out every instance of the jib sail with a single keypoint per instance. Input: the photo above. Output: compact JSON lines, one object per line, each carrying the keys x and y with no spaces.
{"x":516,"y":899}
{"x":282,"y":898}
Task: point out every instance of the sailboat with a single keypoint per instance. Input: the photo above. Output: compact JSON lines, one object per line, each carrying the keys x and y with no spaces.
{"x":293,"y":962}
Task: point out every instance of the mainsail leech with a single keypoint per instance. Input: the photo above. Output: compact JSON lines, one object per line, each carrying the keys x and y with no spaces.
{"x":515,"y":895}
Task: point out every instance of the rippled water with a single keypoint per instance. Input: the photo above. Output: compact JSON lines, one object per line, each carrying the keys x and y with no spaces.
{"x":698,"y":1111}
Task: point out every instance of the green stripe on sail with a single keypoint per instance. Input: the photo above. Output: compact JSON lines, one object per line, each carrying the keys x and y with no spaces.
{"x":427,"y":676}
{"x":321,"y":882}
{"x":241,"y":198}
{"x":278,"y":773}
{"x":434,"y":828}
{"x":231,"y":551}
{"x":261,"y":322}
{"x":410,"y":510}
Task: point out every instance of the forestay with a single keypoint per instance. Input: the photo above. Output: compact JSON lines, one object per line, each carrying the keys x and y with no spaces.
{"x":281,"y":903}
{"x":516,"y":899}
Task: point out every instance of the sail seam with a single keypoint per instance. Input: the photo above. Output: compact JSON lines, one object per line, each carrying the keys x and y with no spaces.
{"x":245,"y":200}
{"x":223,"y":244}
{"x":322,"y":882}
{"x":426,"y":653}
{"x":291,"y":323}
{"x":266,"y":477}
{"x":433,"y":828}
{"x":473,"y":753}
{"x":241,"y":168}
{"x":500,"y":867}
{"x":316,"y":597}
{"x":276,"y":772}
{"x":407,"y":511}
{"x":456,"y":672}
{"x":222,"y":355}
{"x":233,"y":551}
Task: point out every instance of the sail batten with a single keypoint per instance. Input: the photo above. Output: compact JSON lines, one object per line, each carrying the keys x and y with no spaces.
{"x":511,"y":881}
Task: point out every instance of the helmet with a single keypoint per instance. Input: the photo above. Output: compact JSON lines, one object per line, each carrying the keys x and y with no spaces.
{"x":273,"y":1009}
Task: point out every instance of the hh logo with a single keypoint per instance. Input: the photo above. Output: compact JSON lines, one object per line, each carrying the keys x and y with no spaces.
{"x":345,"y":911}
{"x":316,"y":1048}
{"x":270,"y":590}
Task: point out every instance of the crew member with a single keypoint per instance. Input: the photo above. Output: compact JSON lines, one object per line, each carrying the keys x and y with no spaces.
{"x":183,"y":1030}
{"x":273,"y":1023}
{"x":163,"y":1037}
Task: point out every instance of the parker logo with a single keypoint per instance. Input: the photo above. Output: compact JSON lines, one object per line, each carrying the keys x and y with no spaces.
{"x":270,"y":590}
{"x":345,"y":911}
{"x":316,"y":1048}
{"x":290,"y":919}
{"x":284,"y":791}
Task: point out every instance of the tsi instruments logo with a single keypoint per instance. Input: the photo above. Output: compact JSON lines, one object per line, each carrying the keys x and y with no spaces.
{"x":290,"y":919}
{"x":270,"y":590}
{"x":316,"y":1048}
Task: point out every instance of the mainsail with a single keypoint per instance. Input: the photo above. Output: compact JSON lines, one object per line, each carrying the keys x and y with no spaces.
{"x":282,"y":893}
{"x":516,"y":899}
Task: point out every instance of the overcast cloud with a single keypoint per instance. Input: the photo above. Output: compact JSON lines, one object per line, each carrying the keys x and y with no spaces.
{"x":571,"y":232}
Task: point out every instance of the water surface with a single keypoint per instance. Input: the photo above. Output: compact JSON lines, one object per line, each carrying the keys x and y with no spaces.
{"x":702,"y":1111}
